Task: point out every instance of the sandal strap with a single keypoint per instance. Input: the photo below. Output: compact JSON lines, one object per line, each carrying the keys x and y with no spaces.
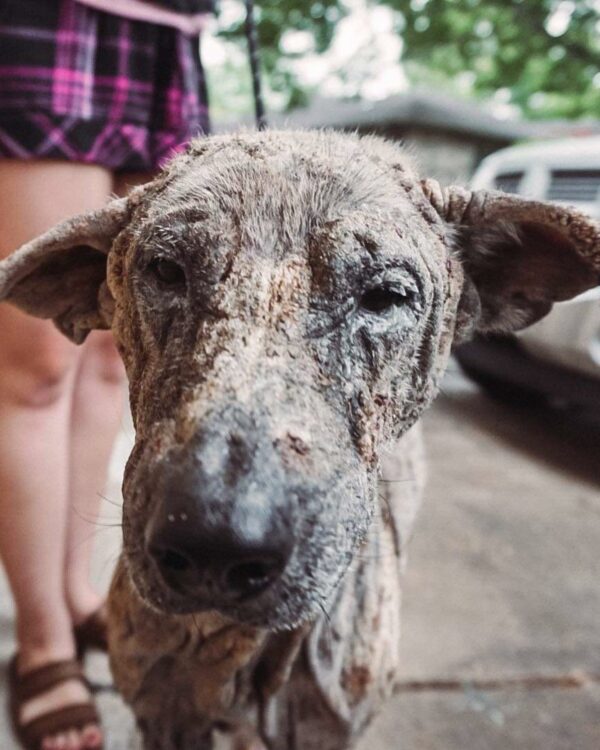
{"x":64,"y":719}
{"x":37,"y":681}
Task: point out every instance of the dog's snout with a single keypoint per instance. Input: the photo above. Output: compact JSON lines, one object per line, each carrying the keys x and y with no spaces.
{"x":221,"y":529}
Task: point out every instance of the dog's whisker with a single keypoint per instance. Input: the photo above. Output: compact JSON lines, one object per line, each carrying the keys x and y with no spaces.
{"x":92,"y":518}
{"x":107,"y":499}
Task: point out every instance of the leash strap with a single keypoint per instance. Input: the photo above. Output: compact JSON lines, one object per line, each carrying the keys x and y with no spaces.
{"x":254,"y":58}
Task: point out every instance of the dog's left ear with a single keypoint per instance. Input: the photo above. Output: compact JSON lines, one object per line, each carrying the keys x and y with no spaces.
{"x":519,"y":256}
{"x":62,"y":274}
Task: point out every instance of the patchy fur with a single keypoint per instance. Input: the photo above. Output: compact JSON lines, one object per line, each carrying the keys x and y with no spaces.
{"x":313,"y":292}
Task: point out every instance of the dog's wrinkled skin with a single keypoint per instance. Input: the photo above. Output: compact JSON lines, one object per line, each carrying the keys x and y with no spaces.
{"x":322,"y":285}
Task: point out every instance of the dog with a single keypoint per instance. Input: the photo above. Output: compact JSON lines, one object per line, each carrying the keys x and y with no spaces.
{"x":285,"y":304}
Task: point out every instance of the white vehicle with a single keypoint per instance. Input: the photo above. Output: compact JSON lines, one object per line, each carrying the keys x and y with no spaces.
{"x":566,"y":171}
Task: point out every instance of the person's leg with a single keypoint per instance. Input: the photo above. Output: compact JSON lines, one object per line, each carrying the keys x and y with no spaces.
{"x":97,"y":408}
{"x":96,"y":412}
{"x":37,"y":371}
{"x":124,"y":181}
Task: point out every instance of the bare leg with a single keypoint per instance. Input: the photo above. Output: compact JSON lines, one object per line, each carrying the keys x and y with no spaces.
{"x":95,"y":416}
{"x":124,"y":181}
{"x":37,"y":371}
{"x":97,"y":409}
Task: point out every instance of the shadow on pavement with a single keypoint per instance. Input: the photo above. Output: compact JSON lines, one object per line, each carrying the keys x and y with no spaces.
{"x":565,"y":440}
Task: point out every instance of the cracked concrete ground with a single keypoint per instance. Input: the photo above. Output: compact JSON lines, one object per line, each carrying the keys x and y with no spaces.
{"x":503,"y":587}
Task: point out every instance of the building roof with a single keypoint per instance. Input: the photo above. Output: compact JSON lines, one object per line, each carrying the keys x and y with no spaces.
{"x":430,"y":110}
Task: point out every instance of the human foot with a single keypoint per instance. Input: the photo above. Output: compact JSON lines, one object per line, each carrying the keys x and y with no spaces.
{"x":51,"y":705}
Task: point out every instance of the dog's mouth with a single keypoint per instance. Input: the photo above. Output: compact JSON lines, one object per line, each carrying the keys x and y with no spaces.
{"x":295,"y":597}
{"x":280,"y":606}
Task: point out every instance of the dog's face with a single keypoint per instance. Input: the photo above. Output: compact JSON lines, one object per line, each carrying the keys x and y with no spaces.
{"x":284,"y":304}
{"x":280,"y":312}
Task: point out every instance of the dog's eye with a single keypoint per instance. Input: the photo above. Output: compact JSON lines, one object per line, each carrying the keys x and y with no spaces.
{"x":167,"y":271}
{"x":380,"y":300}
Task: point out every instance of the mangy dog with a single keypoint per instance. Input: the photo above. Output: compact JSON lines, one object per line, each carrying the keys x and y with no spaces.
{"x":285,"y":304}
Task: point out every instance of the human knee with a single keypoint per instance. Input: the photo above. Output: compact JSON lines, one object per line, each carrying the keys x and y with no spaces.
{"x":35,"y":364}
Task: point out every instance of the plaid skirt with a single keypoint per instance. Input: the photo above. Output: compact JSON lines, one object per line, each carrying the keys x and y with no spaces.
{"x":88,"y":86}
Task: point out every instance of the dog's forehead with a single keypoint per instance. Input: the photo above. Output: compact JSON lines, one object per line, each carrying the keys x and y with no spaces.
{"x":295,"y":183}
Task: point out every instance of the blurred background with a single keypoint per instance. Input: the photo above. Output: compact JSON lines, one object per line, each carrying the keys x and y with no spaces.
{"x":502,"y":602}
{"x":523,"y":58}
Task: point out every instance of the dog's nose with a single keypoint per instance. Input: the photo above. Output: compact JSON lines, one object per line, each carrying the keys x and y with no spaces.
{"x":222,"y":525}
{"x":217,"y":561}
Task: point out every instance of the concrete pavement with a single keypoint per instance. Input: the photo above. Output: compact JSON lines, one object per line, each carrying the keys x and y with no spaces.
{"x":503,"y":584}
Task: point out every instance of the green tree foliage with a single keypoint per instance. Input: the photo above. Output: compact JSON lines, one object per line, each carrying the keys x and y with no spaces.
{"x":540,"y":55}
{"x":544,"y":53}
{"x":274,"y":19}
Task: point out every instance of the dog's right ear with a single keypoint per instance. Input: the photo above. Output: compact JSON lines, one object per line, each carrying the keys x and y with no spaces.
{"x":519,"y":256}
{"x":62,"y":274}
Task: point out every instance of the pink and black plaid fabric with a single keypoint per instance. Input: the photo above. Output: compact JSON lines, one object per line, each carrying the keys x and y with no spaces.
{"x":87,"y":86}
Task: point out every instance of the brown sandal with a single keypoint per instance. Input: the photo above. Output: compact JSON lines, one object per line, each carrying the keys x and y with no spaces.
{"x":92,"y":632}
{"x":37,"y":681}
